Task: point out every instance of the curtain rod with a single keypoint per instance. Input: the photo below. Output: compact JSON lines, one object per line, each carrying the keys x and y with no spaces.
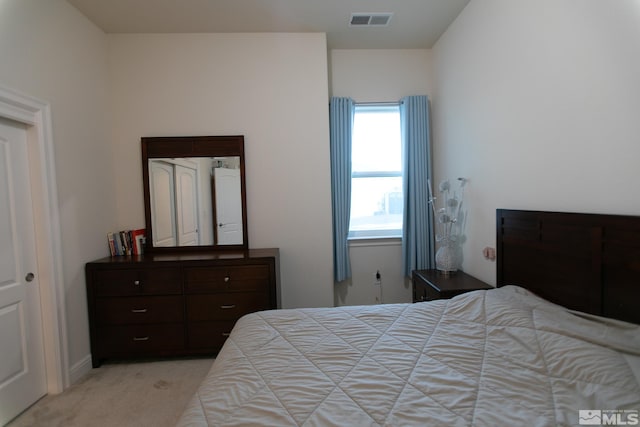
{"x":378,"y":103}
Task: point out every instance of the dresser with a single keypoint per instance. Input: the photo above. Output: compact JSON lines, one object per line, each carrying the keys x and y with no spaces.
{"x":180,"y":304}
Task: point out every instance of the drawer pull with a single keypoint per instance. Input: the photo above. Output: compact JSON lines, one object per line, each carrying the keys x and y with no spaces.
{"x":136,"y":282}
{"x":141,"y":338}
{"x":138,"y":310}
{"x":226,"y":334}
{"x":226,"y":279}
{"x":227,"y":307}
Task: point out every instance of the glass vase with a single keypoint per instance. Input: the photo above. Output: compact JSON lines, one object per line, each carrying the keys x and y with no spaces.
{"x":448,"y":256}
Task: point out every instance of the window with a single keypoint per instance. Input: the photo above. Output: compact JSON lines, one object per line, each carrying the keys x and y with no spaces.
{"x":376,"y":176}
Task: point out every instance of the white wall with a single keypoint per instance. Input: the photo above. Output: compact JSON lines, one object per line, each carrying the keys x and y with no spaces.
{"x":271,"y":88}
{"x":378,"y":76}
{"x":52,"y":52}
{"x":537,"y":103}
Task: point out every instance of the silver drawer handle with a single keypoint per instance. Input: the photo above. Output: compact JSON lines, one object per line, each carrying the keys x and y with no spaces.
{"x":227,"y":307}
{"x":138,"y":310}
{"x":136,"y":282}
{"x":141,"y":338}
{"x":227,"y":278}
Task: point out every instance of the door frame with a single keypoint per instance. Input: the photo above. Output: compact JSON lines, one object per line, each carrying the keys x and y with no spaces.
{"x":36,"y":114}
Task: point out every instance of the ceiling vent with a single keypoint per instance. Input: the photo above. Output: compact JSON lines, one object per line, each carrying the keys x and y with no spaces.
{"x":370,"y":19}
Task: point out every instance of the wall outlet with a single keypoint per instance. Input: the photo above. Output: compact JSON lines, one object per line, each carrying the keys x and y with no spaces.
{"x":377,"y":282}
{"x":489,"y":253}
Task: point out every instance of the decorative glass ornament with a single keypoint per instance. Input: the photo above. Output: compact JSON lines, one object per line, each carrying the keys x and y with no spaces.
{"x":448,"y":256}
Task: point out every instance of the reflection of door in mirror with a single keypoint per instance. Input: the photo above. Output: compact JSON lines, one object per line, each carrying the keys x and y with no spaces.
{"x":162,"y":184}
{"x":187,"y":213}
{"x":186,"y":206}
{"x":174,"y":201}
{"x":228,"y":212}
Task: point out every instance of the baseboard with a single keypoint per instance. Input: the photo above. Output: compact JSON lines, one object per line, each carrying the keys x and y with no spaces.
{"x":80,"y":369}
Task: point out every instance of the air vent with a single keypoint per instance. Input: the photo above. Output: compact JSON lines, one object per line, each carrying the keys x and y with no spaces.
{"x":370,"y":19}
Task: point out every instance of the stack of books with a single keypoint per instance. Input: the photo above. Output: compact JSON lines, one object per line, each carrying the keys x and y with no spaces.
{"x":127,"y":242}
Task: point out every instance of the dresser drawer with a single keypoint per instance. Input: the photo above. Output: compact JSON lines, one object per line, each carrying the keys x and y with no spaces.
{"x":139,"y":339}
{"x":137,"y":281}
{"x":208,"y":335}
{"x":125,"y":310}
{"x":246,"y":278}
{"x":223,"y":306}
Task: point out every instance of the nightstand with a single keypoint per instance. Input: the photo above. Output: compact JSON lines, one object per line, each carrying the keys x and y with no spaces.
{"x":430,"y":285}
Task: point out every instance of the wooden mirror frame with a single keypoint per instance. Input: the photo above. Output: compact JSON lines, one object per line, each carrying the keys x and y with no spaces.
{"x":192,"y":146}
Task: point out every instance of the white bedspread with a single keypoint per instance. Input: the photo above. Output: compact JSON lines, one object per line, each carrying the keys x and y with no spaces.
{"x":486,"y":358}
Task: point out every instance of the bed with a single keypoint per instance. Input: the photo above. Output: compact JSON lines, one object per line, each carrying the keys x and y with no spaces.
{"x":557,"y":343}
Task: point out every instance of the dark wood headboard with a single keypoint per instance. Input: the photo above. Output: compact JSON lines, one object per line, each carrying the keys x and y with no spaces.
{"x":585,"y":262}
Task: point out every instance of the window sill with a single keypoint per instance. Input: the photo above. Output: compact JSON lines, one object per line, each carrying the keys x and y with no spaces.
{"x":374,"y":241}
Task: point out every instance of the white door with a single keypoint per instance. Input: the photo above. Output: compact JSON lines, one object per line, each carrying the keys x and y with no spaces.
{"x":187,"y":206}
{"x":22,"y":365}
{"x":228,"y":206}
{"x":162,"y":185}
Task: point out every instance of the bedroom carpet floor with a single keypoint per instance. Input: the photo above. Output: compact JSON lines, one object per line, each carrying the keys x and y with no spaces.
{"x":121,"y":394}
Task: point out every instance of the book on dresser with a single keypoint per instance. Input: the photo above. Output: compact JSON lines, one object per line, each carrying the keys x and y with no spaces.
{"x":126,"y":242}
{"x":175,"y":304}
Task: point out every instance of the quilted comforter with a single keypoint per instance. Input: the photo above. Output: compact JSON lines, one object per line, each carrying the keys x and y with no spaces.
{"x":485,"y":358}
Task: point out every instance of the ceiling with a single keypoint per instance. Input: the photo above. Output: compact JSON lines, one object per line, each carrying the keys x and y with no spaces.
{"x":415,"y":24}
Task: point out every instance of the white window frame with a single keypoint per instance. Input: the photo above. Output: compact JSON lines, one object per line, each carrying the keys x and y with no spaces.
{"x":377,"y":233}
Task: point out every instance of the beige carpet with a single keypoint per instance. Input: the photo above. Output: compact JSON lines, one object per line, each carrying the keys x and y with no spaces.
{"x":137,"y":394}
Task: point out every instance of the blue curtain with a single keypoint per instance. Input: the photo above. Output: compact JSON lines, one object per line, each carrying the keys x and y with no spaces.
{"x":418,"y":243}
{"x":341,"y":112}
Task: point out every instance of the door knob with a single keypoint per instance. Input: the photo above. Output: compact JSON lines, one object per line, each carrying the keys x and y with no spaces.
{"x":29,"y":277}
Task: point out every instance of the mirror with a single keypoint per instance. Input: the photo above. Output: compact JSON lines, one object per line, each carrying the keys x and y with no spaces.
{"x":194,"y":192}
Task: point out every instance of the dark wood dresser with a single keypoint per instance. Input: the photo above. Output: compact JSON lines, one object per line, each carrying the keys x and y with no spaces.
{"x":175,"y":304}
